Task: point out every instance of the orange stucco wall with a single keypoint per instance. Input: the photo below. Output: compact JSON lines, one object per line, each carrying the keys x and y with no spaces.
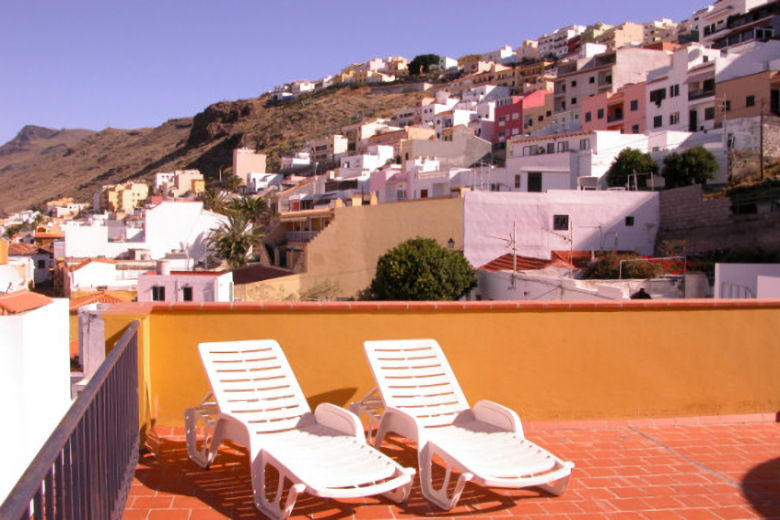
{"x":553,"y":361}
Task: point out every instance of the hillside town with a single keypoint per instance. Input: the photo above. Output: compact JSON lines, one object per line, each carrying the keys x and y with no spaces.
{"x":594,"y":163}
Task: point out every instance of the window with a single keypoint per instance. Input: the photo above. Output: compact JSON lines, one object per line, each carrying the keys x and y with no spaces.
{"x":629,"y":221}
{"x":186,"y":294}
{"x":560,"y":222}
{"x":600,"y":113}
{"x":657,"y":96}
{"x":728,"y":105}
{"x":530,"y":122}
{"x":518,"y":181}
{"x":563,"y":105}
{"x":574,"y":83}
{"x":400,"y":195}
{"x":548,"y":113}
{"x":563,"y":146}
{"x":573,"y":101}
{"x":495,"y":187}
{"x":674,"y":118}
{"x":750,"y":101}
{"x":635,"y":129}
{"x":674,"y":90}
{"x":608,"y":79}
{"x":515,"y":116}
{"x":584,"y":144}
{"x":634,"y":105}
{"x":592,"y":79}
{"x":550,"y":147}
{"x":709,"y":113}
{"x":41,"y":264}
{"x":658,"y":121}
{"x":587,"y":116}
{"x":541,"y":118}
{"x":535,"y":181}
{"x":158,"y":293}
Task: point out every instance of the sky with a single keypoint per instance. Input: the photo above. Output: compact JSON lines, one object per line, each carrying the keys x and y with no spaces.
{"x":137,"y":63}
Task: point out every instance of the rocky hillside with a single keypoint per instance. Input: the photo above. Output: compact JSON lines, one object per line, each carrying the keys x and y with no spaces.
{"x":41,"y":164}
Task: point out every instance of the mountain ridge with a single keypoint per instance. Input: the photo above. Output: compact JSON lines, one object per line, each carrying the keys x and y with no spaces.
{"x":42,"y":164}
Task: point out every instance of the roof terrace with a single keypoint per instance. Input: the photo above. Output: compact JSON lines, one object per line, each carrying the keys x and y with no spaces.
{"x":667,"y":408}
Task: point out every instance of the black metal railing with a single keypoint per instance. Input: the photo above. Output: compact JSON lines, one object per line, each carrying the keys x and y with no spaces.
{"x":85,"y":468}
{"x":698,"y":94}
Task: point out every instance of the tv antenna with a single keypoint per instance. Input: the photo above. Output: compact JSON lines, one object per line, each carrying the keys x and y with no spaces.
{"x":568,"y":238}
{"x":511,"y":244}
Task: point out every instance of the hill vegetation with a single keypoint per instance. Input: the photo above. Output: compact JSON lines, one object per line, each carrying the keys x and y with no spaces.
{"x":42,"y":164}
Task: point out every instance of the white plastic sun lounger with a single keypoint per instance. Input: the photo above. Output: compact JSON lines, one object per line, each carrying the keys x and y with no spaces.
{"x":423,"y":402}
{"x":259,"y":404}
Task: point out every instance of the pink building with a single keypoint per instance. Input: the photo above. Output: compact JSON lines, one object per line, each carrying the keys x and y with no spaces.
{"x":623,"y":110}
{"x":185,"y":286}
{"x":510,"y":115}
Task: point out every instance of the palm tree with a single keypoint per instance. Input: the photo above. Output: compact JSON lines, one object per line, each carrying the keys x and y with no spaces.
{"x":254,"y":209}
{"x":214,"y":199}
{"x":234,"y":239}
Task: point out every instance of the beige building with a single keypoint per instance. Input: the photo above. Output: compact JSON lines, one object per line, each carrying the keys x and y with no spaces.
{"x":627,"y":33}
{"x":319,"y":255}
{"x":328,"y":148}
{"x":122,"y":198}
{"x":534,"y":76}
{"x":246,"y":161}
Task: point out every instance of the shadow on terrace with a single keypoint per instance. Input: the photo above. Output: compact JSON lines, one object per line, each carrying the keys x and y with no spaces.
{"x":627,"y":368}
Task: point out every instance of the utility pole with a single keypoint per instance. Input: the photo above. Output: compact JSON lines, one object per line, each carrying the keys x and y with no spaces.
{"x":761,"y":140}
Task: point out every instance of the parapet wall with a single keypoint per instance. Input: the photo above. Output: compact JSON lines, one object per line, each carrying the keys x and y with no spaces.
{"x":548,"y":361}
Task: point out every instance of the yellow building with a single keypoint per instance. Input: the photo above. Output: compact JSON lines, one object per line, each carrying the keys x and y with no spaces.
{"x":124,"y":197}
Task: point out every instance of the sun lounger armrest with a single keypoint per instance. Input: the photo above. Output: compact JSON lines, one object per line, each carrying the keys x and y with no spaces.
{"x":339,"y":419}
{"x":499,"y":416}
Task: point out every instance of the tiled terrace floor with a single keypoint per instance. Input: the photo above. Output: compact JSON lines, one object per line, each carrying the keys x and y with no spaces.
{"x":696,"y":468}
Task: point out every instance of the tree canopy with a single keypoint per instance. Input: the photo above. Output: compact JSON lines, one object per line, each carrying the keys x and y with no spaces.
{"x":628,"y":162}
{"x":421,"y":269}
{"x":234,"y":239}
{"x":693,"y":166}
{"x":423,"y":64}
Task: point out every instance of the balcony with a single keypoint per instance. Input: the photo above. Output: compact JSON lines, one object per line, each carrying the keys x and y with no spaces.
{"x":614,"y":118}
{"x":300,"y":236}
{"x":657,"y":427}
{"x":700,"y":94}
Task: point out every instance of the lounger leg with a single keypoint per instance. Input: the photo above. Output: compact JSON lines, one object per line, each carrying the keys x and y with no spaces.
{"x":558,"y":487}
{"x":439,"y":497}
{"x":212,"y":438}
{"x":400,"y":494}
{"x":272,"y":508}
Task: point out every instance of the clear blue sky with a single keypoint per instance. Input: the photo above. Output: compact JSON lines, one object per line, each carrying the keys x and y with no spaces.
{"x":135,"y":63}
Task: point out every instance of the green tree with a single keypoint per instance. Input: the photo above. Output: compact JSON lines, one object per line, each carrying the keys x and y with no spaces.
{"x":421,"y":269}
{"x":423,"y":64}
{"x":627,"y":162}
{"x":234,"y":239}
{"x":254,"y":209}
{"x":215,"y":200}
{"x":693,"y":166}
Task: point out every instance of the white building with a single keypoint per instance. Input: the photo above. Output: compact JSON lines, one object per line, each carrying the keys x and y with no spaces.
{"x":169,"y":226}
{"x":558,"y":220}
{"x":361,"y":165}
{"x":484,"y":93}
{"x":557,"y":43}
{"x":34,"y":377}
{"x":299,"y":160}
{"x":715,"y":18}
{"x":262,"y":181}
{"x":505,"y":55}
{"x":185,"y":286}
{"x":571,"y":161}
{"x":681,"y":96}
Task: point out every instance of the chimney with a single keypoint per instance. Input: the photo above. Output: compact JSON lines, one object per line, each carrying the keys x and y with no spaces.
{"x":163,"y":267}
{"x":4,"y":251}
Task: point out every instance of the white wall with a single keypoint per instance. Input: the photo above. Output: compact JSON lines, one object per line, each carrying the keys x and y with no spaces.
{"x":598,"y":219}
{"x":768,"y":286}
{"x":731,"y":280}
{"x":34,"y":383}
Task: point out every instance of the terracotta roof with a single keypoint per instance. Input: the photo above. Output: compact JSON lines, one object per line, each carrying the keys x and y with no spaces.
{"x":22,"y":301}
{"x":20,"y":249}
{"x":97,"y":260}
{"x":256,"y":273}
{"x":506,"y":263}
{"x":98,"y":297}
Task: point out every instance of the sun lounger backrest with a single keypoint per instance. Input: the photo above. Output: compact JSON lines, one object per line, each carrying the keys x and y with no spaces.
{"x":253,"y":382}
{"x":414,"y":376}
